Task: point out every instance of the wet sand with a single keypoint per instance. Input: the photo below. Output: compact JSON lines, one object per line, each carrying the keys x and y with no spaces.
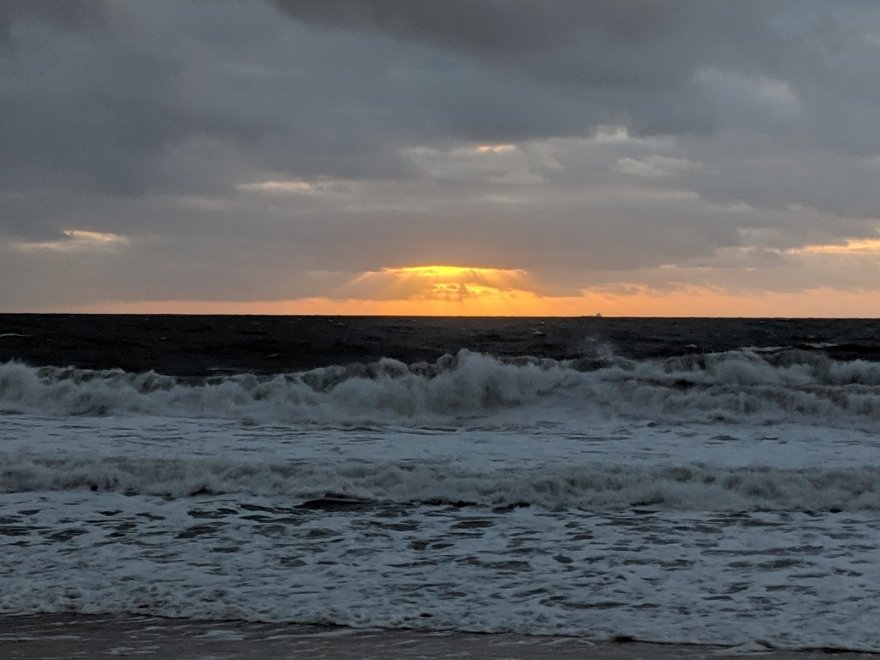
{"x":93,"y":636}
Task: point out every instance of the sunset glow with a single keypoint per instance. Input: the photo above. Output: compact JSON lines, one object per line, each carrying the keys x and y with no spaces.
{"x":450,"y":283}
{"x":452,"y":290}
{"x":638,"y":302}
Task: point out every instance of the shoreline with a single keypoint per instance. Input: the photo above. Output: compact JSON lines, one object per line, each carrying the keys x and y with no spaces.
{"x":66,"y":635}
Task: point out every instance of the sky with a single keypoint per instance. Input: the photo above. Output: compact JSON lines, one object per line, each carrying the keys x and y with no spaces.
{"x":565,"y":157}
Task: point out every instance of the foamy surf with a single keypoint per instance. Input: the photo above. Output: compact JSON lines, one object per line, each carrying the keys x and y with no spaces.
{"x":787,"y":386}
{"x":593,"y":487}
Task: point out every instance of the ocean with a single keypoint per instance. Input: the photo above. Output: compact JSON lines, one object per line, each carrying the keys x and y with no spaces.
{"x":699,"y":481}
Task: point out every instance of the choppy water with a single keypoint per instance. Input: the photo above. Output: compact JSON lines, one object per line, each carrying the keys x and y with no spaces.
{"x":646,"y":489}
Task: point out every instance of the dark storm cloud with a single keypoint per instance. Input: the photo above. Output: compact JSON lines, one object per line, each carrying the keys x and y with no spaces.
{"x":597,"y":51}
{"x":170,"y":98}
{"x":120,"y":110}
{"x":68,"y":13}
{"x":639,"y":61}
{"x":100,"y":109}
{"x":489,"y":28}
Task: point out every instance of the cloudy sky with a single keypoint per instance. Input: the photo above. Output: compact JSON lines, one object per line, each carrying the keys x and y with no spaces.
{"x":637,"y":157}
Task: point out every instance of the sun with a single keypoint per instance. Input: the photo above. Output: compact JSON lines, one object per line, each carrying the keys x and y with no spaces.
{"x":460,"y":283}
{"x":447,"y":289}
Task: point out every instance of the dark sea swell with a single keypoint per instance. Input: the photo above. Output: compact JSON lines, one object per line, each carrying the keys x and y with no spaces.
{"x":204,"y":345}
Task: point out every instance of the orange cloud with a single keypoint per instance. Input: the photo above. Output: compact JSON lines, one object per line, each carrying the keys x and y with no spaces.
{"x":445,"y":283}
{"x":854,"y":246}
{"x":440,"y":289}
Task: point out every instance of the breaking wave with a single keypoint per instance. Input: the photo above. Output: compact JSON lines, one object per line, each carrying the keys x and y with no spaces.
{"x":730,"y":386}
{"x":594,"y":487}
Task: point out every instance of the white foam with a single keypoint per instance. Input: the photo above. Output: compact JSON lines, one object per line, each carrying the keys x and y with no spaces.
{"x":732,"y":386}
{"x":796,"y":580}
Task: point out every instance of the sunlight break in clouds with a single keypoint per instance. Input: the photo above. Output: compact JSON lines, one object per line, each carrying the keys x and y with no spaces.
{"x":455,"y":289}
{"x":652,"y":167}
{"x":294,"y":187}
{"x":496,"y":148}
{"x":74,"y":240}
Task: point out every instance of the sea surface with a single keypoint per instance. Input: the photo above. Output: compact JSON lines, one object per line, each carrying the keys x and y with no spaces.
{"x":671,"y":480}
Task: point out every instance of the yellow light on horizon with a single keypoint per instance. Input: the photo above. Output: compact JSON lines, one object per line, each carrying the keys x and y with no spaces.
{"x":459,"y":273}
{"x":454,"y":290}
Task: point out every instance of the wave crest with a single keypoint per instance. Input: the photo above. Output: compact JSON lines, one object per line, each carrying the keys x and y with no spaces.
{"x":729,"y":386}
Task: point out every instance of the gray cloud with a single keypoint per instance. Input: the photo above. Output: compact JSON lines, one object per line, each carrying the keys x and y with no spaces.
{"x":70,"y":13}
{"x":645,"y":133}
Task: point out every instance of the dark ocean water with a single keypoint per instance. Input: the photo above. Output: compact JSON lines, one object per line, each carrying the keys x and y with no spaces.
{"x":202,"y":345}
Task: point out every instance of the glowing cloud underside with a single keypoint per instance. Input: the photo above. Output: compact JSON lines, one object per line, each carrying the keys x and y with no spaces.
{"x":855,"y":246}
{"x":447,"y":289}
{"x":442,"y":290}
{"x":74,"y":240}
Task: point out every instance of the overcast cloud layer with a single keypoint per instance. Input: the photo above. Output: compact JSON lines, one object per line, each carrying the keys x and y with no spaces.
{"x":273,"y":150}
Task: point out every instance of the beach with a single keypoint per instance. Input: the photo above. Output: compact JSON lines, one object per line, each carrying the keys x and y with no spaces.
{"x":61,"y":636}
